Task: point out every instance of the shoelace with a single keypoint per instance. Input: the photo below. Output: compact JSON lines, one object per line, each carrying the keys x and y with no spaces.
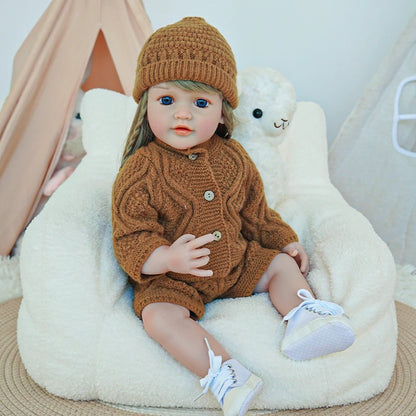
{"x":219,"y":378}
{"x":319,"y":306}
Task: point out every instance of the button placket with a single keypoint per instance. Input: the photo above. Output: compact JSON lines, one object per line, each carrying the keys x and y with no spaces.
{"x":209,"y":194}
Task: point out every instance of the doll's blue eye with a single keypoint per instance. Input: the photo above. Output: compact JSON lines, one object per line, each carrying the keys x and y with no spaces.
{"x":201,"y":103}
{"x":166,"y":100}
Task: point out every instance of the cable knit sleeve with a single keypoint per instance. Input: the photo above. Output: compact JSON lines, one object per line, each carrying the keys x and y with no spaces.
{"x":259,"y":222}
{"x":136,"y":231}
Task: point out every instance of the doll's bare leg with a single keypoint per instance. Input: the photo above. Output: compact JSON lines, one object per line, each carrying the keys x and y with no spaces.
{"x":233,"y":385}
{"x":315,"y":328}
{"x":282,"y":280}
{"x":183,"y":338}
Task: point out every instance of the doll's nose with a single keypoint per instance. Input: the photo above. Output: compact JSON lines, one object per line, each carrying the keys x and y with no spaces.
{"x":183,"y":113}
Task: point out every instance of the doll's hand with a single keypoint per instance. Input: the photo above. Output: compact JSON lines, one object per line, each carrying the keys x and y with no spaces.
{"x":187,"y":254}
{"x":297,"y":251}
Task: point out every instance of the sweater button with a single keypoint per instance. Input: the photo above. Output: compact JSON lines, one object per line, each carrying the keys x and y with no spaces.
{"x":209,"y":195}
{"x":217,"y":235}
{"x":193,"y":156}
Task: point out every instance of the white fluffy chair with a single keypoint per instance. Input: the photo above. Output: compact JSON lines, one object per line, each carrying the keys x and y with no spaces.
{"x":79,"y":337}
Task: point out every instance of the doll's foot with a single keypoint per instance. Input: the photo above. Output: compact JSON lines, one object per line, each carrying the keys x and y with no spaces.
{"x":232,"y":384}
{"x":316,"y":328}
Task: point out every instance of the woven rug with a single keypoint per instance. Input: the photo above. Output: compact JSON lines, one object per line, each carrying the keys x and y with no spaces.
{"x":21,"y":396}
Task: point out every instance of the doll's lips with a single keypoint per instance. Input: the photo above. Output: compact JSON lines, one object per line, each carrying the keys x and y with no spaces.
{"x":182,"y":130}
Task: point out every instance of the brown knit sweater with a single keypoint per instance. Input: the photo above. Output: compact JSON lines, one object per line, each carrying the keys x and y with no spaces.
{"x":161,"y":193}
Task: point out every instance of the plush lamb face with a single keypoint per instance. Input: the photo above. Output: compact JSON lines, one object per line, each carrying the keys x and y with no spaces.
{"x":267,"y":102}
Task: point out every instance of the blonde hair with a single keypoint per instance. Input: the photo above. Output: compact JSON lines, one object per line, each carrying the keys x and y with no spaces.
{"x":140,"y":133}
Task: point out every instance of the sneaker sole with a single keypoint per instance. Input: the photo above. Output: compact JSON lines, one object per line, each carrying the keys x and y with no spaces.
{"x":305,"y":345}
{"x":238,"y":401}
{"x":250,"y":398}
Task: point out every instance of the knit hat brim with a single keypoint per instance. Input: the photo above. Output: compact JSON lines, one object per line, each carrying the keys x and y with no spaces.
{"x":190,"y":49}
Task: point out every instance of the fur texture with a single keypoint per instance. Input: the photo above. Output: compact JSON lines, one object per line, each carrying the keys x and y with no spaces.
{"x":267,"y":103}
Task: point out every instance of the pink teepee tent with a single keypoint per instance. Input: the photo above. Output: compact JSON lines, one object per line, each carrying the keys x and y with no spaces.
{"x":48,"y":72}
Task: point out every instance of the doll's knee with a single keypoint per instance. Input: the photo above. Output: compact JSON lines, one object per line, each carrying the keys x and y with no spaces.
{"x":282,"y":263}
{"x":160,"y":317}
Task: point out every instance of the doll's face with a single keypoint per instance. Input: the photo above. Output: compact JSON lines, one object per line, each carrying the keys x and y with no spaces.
{"x":180,"y":118}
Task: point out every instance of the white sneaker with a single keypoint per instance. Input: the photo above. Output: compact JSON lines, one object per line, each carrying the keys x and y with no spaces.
{"x":231,"y":383}
{"x":316,"y":328}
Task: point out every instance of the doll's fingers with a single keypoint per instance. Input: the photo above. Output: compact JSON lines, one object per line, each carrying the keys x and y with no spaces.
{"x":201,"y":241}
{"x":292,"y":252}
{"x":304,"y":266}
{"x":183,"y":239}
{"x":203,"y":261}
{"x":299,"y":261}
{"x":201,"y":252}
{"x":201,"y":272}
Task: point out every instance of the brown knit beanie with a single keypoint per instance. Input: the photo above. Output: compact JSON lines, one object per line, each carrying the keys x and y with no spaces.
{"x":190,"y":49}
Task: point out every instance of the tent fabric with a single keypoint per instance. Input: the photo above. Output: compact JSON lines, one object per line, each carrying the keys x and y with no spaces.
{"x":48,"y":71}
{"x":365,"y":166}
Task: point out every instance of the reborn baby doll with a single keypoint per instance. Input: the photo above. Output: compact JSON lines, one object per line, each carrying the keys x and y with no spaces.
{"x":190,"y":219}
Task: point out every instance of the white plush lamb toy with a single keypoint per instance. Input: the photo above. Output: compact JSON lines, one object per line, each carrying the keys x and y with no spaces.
{"x":267,"y":102}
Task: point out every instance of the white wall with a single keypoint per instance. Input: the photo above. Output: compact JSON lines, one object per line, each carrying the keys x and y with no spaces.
{"x":328,"y":49}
